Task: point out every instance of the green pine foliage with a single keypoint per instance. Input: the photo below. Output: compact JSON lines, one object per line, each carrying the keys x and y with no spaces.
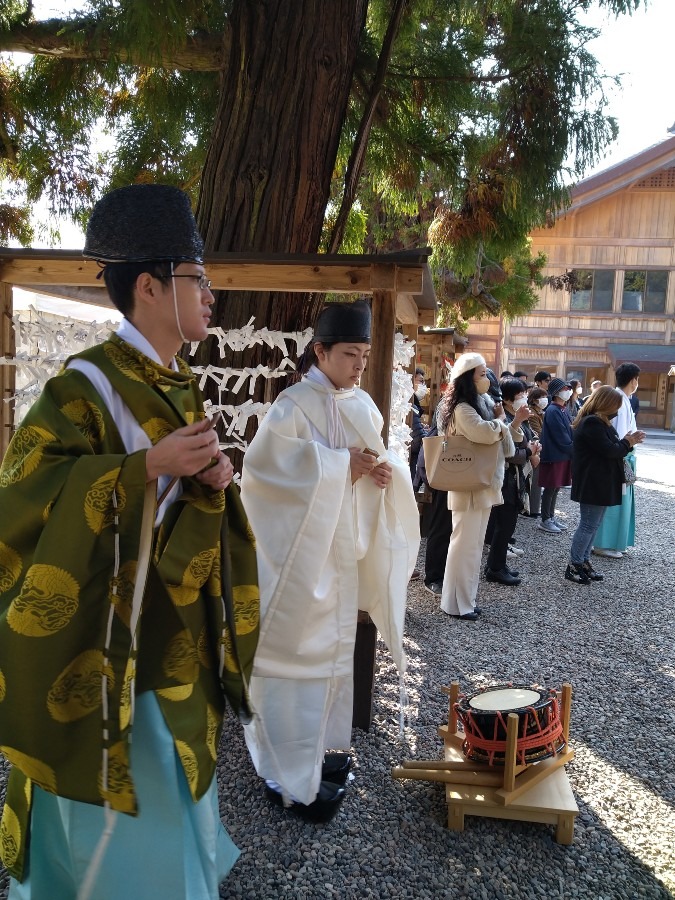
{"x":482,"y":104}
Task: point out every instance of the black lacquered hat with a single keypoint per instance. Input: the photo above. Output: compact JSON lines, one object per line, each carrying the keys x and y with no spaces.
{"x":143,"y":222}
{"x":340,"y":322}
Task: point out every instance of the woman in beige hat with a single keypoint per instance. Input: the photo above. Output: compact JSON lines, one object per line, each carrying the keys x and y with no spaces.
{"x":467,"y":411}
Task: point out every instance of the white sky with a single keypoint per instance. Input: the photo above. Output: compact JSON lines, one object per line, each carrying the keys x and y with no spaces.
{"x":640,"y":48}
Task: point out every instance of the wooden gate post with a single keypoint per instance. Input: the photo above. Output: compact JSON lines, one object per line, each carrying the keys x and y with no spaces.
{"x":377,"y":381}
{"x":7,"y":373}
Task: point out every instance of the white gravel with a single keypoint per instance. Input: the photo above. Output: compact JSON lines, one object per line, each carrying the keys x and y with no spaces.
{"x":612,"y":640}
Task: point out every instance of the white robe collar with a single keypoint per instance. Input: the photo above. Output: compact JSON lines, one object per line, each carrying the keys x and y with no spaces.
{"x":336,"y":436}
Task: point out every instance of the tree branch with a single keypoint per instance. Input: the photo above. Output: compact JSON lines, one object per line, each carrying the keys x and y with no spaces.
{"x":66,"y":39}
{"x":358,"y":154}
{"x":411,"y":75}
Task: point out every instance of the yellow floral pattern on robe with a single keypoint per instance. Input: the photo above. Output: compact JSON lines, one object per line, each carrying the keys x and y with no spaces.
{"x":47,"y":602}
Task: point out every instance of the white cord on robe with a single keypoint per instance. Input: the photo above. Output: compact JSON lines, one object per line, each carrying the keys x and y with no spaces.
{"x":175,"y":307}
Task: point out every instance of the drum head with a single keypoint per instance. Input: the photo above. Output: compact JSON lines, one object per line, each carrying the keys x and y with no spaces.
{"x":504,"y":699}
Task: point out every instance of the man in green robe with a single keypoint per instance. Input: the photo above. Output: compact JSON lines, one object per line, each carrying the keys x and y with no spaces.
{"x":128,"y":590}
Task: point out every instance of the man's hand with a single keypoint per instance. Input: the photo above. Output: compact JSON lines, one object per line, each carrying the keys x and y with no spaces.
{"x":185,"y":451}
{"x":219,"y":475}
{"x":381,"y":474}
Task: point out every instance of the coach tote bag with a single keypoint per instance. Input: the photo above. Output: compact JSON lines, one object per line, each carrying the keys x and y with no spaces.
{"x":454,"y":463}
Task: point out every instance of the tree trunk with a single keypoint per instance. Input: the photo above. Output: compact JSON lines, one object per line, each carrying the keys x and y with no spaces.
{"x":266,"y":180}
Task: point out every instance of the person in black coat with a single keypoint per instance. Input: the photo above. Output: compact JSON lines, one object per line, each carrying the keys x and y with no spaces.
{"x":597,"y":475}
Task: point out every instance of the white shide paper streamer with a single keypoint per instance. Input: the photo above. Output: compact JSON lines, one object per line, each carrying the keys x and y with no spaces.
{"x":44,"y":341}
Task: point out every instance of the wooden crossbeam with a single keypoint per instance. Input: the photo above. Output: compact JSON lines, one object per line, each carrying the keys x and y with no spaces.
{"x":234,"y":276}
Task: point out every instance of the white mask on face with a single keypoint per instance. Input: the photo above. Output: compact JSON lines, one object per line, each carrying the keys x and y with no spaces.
{"x":565,"y":395}
{"x":542,"y":402}
{"x":579,"y":389}
{"x":520,"y":401}
{"x":421,"y":391}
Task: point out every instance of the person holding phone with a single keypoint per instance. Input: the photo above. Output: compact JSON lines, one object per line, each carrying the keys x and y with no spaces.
{"x":515,"y":485}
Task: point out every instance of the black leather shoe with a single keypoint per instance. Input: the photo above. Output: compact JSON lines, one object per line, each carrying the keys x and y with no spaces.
{"x":591,"y":572}
{"x":336,"y":767}
{"x":469,"y":617}
{"x":503,"y":576}
{"x":320,"y":810}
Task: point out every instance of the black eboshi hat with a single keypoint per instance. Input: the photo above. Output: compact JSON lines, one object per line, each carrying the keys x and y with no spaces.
{"x":143,"y":222}
{"x":340,"y":322}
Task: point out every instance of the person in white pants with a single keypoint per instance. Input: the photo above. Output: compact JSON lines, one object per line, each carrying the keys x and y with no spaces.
{"x":467,"y":411}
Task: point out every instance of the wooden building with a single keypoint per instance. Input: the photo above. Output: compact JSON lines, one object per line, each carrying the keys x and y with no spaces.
{"x":619,"y":237}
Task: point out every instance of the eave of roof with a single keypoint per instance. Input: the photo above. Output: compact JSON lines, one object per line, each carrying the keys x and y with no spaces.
{"x":623,"y":174}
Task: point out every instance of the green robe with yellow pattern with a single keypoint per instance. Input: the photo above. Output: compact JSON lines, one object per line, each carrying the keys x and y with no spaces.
{"x":73,"y":652}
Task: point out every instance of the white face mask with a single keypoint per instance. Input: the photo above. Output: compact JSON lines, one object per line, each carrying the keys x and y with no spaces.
{"x":579,"y":390}
{"x":421,"y":391}
{"x":542,"y":402}
{"x":521,"y":401}
{"x":565,"y":395}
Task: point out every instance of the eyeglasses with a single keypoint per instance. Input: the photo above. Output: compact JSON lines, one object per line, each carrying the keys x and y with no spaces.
{"x":202,"y":280}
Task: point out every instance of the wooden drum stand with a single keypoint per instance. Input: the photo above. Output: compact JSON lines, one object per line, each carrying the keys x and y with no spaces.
{"x":534,"y":792}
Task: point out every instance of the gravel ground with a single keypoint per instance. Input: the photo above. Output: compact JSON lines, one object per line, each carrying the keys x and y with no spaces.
{"x":613,"y":641}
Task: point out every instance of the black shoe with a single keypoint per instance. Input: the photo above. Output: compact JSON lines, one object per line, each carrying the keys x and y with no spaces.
{"x":435,"y":588}
{"x":322,"y":809}
{"x":503,"y":576}
{"x":472,"y":616}
{"x":511,"y":571}
{"x":336,"y":767}
{"x":592,"y":574}
{"x":577,"y":574}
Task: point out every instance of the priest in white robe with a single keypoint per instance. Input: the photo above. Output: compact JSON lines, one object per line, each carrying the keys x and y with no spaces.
{"x":337,"y":530}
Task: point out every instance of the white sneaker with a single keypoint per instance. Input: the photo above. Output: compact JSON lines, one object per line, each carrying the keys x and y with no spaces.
{"x":612,"y":554}
{"x":560,"y":525}
{"x":513,"y":552}
{"x":549,"y":526}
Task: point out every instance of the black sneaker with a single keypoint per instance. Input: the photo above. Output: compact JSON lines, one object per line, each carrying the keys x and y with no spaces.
{"x":592,"y":574}
{"x":577,"y":574}
{"x":435,"y":588}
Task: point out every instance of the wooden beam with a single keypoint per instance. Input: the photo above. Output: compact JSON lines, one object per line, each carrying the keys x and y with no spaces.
{"x":232,"y":276}
{"x":406,"y":311}
{"x":7,"y":373}
{"x":377,"y":381}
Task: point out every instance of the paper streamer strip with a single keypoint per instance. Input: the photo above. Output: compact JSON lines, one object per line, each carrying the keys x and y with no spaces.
{"x":44,"y":341}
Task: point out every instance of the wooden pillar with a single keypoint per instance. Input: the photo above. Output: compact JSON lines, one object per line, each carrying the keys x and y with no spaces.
{"x":7,"y":373}
{"x":377,"y":381}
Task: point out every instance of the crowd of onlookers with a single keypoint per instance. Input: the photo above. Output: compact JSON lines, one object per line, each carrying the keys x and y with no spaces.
{"x":551,"y":436}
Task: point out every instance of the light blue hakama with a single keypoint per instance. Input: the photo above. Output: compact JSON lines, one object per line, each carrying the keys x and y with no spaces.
{"x":617,"y":530}
{"x":175,"y":849}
